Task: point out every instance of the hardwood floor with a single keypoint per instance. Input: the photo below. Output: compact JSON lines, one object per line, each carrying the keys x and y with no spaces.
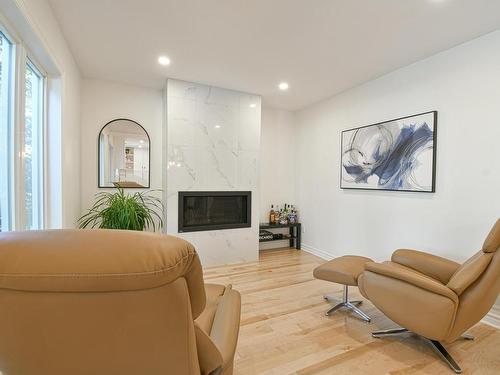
{"x":284,"y":329}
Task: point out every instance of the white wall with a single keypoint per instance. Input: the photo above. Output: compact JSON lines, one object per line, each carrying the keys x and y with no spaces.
{"x":35,"y":24}
{"x":104,"y":101}
{"x":213,"y":137}
{"x":277,"y":153}
{"x":277,"y":165}
{"x":463,"y":85}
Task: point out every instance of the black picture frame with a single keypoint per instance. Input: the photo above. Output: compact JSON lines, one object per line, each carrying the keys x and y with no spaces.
{"x":434,"y":154}
{"x":182,"y":194}
{"x":99,"y":182}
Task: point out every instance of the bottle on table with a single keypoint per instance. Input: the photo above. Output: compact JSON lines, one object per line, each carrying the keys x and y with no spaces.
{"x":272,"y":216}
{"x":292,"y":216}
{"x":284,"y":215}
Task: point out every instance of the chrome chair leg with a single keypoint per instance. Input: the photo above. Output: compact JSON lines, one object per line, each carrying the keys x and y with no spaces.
{"x":389,"y":332}
{"x":334,"y":308}
{"x":357,"y":311}
{"x":351,"y":305}
{"x":445,"y":356}
{"x":336,"y":300}
{"x":436,"y":345}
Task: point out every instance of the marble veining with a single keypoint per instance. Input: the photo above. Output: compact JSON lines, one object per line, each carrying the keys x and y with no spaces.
{"x":213,"y":142}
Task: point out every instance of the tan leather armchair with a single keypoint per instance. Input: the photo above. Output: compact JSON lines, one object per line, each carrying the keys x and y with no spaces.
{"x":432,"y":296}
{"x":111,"y":302}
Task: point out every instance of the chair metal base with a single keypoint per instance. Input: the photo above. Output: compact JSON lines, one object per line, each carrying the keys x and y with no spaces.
{"x":345,"y":303}
{"x":436,"y":345}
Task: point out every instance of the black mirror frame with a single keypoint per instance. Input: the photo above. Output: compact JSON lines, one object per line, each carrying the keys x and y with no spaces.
{"x":99,"y":185}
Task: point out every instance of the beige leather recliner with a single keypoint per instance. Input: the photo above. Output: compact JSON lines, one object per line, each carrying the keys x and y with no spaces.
{"x":432,"y":296}
{"x":111,"y":303}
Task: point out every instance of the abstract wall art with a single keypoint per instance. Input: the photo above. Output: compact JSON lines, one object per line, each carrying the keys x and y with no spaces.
{"x":398,"y":155}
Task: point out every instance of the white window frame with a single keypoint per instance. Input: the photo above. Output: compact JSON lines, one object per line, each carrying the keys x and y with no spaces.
{"x":21,"y":56}
{"x":7,"y":202}
{"x":39,"y":199}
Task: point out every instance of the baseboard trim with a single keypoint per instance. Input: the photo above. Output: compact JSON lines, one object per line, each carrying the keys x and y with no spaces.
{"x":314,"y":251}
{"x":493,"y":317}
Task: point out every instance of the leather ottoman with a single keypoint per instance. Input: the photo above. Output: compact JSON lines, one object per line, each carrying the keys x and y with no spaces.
{"x":343,"y":270}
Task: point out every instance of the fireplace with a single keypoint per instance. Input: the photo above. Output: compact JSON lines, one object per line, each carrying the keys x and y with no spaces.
{"x":214,"y":210}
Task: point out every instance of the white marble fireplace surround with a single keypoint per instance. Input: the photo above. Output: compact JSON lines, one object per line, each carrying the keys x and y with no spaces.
{"x":213,"y":141}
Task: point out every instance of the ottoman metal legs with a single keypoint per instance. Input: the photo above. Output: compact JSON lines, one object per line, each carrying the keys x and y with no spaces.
{"x":345,"y":303}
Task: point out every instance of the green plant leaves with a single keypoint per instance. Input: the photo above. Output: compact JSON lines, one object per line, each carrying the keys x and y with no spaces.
{"x":117,"y":210}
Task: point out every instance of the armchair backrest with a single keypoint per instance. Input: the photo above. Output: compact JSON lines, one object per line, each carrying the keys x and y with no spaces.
{"x":492,"y":242}
{"x":477,"y":282}
{"x":98,"y":301}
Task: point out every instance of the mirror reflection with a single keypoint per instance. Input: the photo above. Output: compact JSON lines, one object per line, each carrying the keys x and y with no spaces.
{"x":124,"y":155}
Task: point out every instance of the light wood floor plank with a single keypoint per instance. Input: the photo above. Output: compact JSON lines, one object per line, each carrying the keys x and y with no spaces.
{"x":284,"y":329}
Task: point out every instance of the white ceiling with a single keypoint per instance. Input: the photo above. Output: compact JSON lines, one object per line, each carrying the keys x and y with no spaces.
{"x":321,"y":47}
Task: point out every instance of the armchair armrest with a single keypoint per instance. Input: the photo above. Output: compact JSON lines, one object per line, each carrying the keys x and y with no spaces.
{"x":411,"y":277}
{"x":209,"y":357}
{"x":226,"y":325}
{"x":431,"y":265}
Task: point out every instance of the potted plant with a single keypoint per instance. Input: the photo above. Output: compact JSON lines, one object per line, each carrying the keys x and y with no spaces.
{"x":117,"y":210}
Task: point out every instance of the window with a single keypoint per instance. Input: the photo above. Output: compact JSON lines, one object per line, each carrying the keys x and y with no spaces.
{"x":22,"y":103}
{"x":33,"y":141}
{"x":5,"y":131}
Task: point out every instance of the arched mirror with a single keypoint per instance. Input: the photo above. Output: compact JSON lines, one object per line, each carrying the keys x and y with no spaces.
{"x":124,"y":154}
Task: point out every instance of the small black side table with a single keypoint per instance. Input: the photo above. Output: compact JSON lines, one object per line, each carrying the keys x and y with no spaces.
{"x":295,"y":231}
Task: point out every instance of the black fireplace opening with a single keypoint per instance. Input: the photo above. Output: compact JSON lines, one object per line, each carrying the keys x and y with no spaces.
{"x":214,"y":210}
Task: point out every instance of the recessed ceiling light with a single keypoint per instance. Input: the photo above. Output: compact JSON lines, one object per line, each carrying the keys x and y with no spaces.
{"x":163,"y":60}
{"x":217,"y":126}
{"x":253,"y":105}
{"x":283,"y":86}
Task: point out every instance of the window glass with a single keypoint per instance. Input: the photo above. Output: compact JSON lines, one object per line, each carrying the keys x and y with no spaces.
{"x":22,"y":128}
{"x":5,"y":131}
{"x":33,"y":156}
